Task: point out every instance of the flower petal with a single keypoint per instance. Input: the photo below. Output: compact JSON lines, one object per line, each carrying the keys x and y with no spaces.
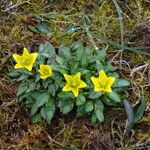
{"x":45,"y":71}
{"x":77,"y":77}
{"x":102,"y":76}
{"x":18,"y":66}
{"x":98,"y":89}
{"x":74,"y":83}
{"x":111,"y":80}
{"x":29,"y":67}
{"x":25,"y":52}
{"x":108,"y":89}
{"x":95,"y":81}
{"x":44,"y":77}
{"x":75,"y":91}
{"x":82,"y":84}
{"x":66,"y":88}
{"x":68,"y":78}
{"x":34,"y":56}
{"x":17,"y":57}
{"x":42,"y":69}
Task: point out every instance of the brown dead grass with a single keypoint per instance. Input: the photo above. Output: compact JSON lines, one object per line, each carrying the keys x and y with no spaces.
{"x":16,"y":128}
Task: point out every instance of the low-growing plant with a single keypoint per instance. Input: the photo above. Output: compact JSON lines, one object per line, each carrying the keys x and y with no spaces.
{"x":73,"y":78}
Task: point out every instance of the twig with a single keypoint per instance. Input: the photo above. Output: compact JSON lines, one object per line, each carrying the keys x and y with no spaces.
{"x":138,"y":68}
{"x":16,"y":5}
{"x":5,"y":60}
{"x":49,"y":137}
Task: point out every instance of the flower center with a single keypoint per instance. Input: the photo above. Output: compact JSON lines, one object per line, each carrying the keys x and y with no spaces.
{"x":103,"y":84}
{"x":26,"y":61}
{"x":46,"y":72}
{"x":73,"y":84}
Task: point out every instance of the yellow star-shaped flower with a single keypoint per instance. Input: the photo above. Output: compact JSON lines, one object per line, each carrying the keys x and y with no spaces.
{"x":103,"y":83}
{"x":45,"y":71}
{"x":26,"y":60}
{"x":74,"y":83}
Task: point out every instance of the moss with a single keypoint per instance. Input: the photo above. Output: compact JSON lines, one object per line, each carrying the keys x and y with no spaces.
{"x":16,"y":127}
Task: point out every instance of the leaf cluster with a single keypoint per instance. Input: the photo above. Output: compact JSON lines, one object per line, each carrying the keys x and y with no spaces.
{"x":43,"y":97}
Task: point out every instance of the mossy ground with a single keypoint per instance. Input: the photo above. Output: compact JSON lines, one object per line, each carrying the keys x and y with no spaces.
{"x":16,"y":128}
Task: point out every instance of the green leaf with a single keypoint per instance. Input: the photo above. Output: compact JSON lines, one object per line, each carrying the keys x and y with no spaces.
{"x":33,"y":29}
{"x":114,"y":96}
{"x":99,"y":65}
{"x":70,"y":148}
{"x":34,"y":109}
{"x":84,"y":61}
{"x":22,"y":88}
{"x":41,"y":99}
{"x":52,"y":89}
{"x":121,"y":83}
{"x":92,"y":59}
{"x":13,"y":74}
{"x":65,"y":106}
{"x":37,"y":118}
{"x":99,"y":115}
{"x":89,"y":106}
{"x":81,"y":110}
{"x":99,"y":107}
{"x":101,"y":54}
{"x":89,"y":51}
{"x":49,"y":115}
{"x":31,"y":87}
{"x":50,"y":110}
{"x":28,"y":102}
{"x":43,"y":113}
{"x":38,"y":86}
{"x":94,"y":118}
{"x":60,"y":60}
{"x":133,"y":118}
{"x":23,"y":77}
{"x":24,"y":71}
{"x":74,"y":68}
{"x":84,"y":71}
{"x":130,"y":113}
{"x":139,"y":113}
{"x":64,"y":51}
{"x":71,"y":29}
{"x":55,"y":67}
{"x":126,"y":1}
{"x":80,"y":52}
{"x":45,"y":83}
{"x":80,"y":100}
{"x":42,"y":27}
{"x":47,"y":50}
{"x":109,"y":101}
{"x":95,"y":95}
{"x":109,"y":67}
{"x":23,"y":96}
{"x":114,"y":74}
{"x":66,"y":95}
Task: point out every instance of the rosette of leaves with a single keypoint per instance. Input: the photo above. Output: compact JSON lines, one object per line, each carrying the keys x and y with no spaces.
{"x":42,"y":97}
{"x":87,"y":61}
{"x":34,"y":93}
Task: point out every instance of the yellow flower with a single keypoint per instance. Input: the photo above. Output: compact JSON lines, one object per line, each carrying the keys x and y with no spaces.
{"x":74,"y":83}
{"x":45,"y":71}
{"x":26,"y":60}
{"x":103,"y":83}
